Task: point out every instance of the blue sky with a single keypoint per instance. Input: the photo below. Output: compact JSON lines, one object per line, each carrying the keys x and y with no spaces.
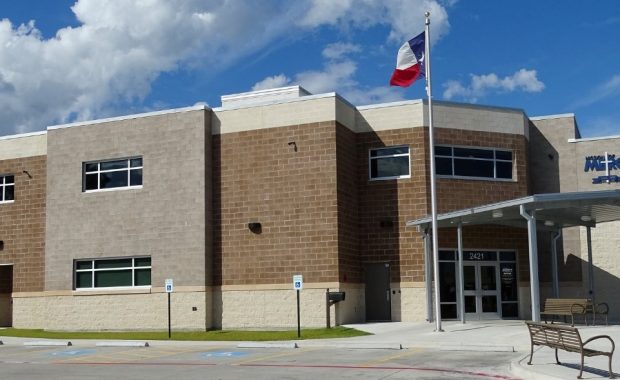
{"x":62,"y":61}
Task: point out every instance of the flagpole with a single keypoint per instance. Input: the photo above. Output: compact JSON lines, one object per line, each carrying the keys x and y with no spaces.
{"x":431,"y":143}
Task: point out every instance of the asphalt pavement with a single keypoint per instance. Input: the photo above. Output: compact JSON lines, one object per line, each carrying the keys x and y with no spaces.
{"x":399,"y":347}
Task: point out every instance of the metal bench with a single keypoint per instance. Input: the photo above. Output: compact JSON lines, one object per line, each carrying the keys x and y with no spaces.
{"x":601,"y":309}
{"x":567,"y":307}
{"x":568,"y":339}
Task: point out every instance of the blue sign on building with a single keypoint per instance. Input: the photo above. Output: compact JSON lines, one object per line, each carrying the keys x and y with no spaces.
{"x":604,"y":163}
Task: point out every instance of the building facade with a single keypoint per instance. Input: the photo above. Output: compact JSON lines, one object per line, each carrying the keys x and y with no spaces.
{"x":231,"y":202}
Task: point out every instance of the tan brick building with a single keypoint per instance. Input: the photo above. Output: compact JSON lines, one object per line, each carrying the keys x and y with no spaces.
{"x":231,"y":202}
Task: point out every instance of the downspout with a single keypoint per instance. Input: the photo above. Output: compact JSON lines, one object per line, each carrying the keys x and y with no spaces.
{"x":428,"y":270}
{"x":554,"y":263}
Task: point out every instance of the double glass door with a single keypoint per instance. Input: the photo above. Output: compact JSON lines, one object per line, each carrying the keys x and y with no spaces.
{"x":480,"y":290}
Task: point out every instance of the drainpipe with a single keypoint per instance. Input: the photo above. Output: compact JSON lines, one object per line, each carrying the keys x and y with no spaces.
{"x":428,"y":270}
{"x":590,"y":264}
{"x":554,"y":263}
{"x":533,"y":256}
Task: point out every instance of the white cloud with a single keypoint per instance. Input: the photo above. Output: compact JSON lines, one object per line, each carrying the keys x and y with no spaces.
{"x":404,"y":17}
{"x":339,"y":50}
{"x":120,"y":47}
{"x":338,"y":73}
{"x":481,"y":85}
{"x":272,"y":82}
{"x":605,"y":90}
{"x":600,"y":125}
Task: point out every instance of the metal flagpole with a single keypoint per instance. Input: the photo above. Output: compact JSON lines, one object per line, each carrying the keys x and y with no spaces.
{"x":431,"y":142}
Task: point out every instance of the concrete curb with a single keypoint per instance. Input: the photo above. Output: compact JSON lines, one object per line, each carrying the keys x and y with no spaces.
{"x":266,"y":345}
{"x":48,"y":343}
{"x":475,"y":347}
{"x":360,"y":346}
{"x":520,"y":369}
{"x":122,"y":344}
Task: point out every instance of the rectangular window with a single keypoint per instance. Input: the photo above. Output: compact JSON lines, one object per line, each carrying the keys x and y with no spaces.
{"x":473,"y":162}
{"x":112,"y":174}
{"x":7,"y":188}
{"x":389,"y":163}
{"x":112,"y":273}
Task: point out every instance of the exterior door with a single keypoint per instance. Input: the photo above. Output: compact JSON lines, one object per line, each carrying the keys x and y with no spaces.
{"x":480,"y":290}
{"x":6,"y":301}
{"x":378,"y":299}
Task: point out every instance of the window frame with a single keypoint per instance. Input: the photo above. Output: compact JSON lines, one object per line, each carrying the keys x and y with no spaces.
{"x":4,"y":185}
{"x":371,"y":158}
{"x":94,"y":270}
{"x":128,"y":169}
{"x":494,"y":160}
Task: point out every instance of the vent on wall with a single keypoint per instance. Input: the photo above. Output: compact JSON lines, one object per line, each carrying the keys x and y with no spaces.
{"x":255,"y":227}
{"x":386,"y":223}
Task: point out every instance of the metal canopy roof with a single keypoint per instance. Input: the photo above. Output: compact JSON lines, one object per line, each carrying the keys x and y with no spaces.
{"x":552,"y":211}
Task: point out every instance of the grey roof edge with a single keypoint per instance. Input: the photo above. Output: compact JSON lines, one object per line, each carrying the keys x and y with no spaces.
{"x":23,"y":135}
{"x":530,"y":199}
{"x":557,"y":116}
{"x":585,"y":139}
{"x":129,"y":117}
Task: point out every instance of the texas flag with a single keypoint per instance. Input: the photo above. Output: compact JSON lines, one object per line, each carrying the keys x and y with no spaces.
{"x":410,"y":62}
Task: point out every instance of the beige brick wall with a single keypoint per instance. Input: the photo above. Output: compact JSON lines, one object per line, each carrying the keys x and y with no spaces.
{"x":116,"y":312}
{"x":606,"y":261}
{"x":276,"y":307}
{"x":166,"y":219}
{"x":412,"y":305}
{"x":474,"y":118}
{"x":24,"y":145}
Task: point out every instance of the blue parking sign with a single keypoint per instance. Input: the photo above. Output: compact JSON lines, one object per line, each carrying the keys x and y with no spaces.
{"x":298,"y":282}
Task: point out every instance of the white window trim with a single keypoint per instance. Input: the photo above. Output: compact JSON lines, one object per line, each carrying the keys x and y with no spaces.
{"x":494,"y":160}
{"x":92,"y":270}
{"x":370,"y":159}
{"x":3,"y":186}
{"x":128,"y":169}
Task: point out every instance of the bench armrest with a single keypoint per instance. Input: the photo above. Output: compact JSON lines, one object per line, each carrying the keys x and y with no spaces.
{"x":613,"y":345}
{"x":602,"y":308}
{"x":577,"y":309}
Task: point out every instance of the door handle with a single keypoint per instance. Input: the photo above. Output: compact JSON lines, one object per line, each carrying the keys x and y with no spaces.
{"x":387,"y":295}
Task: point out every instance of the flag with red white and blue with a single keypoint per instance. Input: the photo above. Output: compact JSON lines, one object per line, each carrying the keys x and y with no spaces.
{"x":410,"y":62}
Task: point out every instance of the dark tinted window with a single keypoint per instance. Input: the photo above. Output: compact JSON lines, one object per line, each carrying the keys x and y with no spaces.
{"x":473,"y":153}
{"x":389,"y":163}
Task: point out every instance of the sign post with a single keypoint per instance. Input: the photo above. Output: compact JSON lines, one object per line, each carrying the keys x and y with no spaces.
{"x":298,"y":284}
{"x":169,"y":289}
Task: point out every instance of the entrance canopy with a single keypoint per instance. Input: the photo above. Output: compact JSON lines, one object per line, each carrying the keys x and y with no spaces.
{"x":552,"y":212}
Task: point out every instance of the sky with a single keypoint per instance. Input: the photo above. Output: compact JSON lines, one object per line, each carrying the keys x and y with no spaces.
{"x":65,"y":60}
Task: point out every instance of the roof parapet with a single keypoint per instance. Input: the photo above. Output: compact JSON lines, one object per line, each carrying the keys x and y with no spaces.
{"x":263,"y":96}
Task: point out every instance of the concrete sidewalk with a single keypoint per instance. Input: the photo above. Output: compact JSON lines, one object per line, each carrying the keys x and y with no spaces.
{"x":498,"y":335}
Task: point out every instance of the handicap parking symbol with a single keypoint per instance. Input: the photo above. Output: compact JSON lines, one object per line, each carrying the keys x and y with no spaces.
{"x":223,"y":354}
{"x":71,"y":353}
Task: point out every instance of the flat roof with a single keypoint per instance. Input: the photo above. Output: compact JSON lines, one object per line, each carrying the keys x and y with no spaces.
{"x":552,"y":211}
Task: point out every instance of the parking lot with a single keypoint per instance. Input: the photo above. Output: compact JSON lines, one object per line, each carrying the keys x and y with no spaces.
{"x":230,"y":362}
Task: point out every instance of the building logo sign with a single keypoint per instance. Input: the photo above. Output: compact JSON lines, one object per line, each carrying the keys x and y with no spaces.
{"x":604,"y":163}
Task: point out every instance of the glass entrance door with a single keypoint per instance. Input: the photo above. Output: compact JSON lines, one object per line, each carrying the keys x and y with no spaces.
{"x":480,"y":290}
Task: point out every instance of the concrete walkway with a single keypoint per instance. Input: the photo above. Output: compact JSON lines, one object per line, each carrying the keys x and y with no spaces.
{"x":497,"y":336}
